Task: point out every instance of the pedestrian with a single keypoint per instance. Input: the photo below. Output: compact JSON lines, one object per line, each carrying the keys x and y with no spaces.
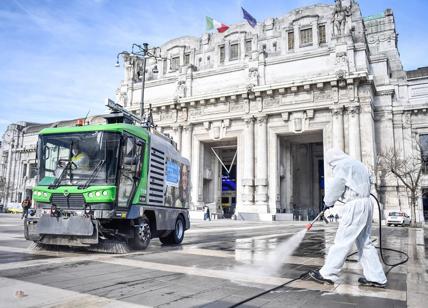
{"x":351,"y":184}
{"x":207,"y":215}
{"x":336,"y":217}
{"x":26,"y":204}
{"x":331,"y":217}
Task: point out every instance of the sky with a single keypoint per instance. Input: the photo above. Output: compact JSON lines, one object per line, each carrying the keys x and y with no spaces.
{"x":58,"y":56}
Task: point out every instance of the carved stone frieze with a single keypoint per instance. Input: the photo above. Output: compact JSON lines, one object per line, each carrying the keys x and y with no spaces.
{"x":270,"y":102}
{"x":195,"y":112}
{"x":216,"y":108}
{"x":168,"y":116}
{"x":237,"y":107}
{"x":323,"y":95}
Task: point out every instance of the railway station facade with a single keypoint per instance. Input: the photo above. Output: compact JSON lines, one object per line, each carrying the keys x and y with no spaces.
{"x":266,"y":102}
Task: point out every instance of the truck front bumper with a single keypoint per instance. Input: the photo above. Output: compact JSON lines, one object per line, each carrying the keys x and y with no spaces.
{"x":68,"y":231}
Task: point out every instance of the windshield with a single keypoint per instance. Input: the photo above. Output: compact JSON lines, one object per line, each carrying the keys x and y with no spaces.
{"x":396,"y":214}
{"x":83,"y":159}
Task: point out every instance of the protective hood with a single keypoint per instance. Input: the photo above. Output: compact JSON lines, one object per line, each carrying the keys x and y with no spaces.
{"x":334,"y":156}
{"x":349,"y":171}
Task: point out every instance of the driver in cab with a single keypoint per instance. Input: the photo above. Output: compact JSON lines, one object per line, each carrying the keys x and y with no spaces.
{"x":79,"y":159}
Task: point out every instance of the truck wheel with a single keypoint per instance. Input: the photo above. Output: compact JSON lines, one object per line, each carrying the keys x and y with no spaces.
{"x":142,"y":234}
{"x":177,"y":235}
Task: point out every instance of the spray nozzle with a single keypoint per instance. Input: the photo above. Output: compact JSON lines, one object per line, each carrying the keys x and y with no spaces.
{"x":308,"y":227}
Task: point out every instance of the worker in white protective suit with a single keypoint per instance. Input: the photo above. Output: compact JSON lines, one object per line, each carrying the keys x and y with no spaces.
{"x":350,"y":184}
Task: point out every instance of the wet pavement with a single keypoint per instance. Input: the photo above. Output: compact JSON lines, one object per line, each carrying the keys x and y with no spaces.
{"x":204,"y":270}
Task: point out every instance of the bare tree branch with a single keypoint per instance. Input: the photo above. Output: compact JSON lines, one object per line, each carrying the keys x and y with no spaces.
{"x":407,"y":170}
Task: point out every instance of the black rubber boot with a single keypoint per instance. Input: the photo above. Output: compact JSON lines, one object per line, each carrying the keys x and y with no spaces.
{"x":364,"y":282}
{"x":317,"y":277}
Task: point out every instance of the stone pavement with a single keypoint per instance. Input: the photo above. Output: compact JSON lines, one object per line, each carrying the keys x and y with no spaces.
{"x":202,"y":272}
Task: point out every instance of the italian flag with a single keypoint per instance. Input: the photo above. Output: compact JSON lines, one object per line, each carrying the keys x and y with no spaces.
{"x":214,"y":24}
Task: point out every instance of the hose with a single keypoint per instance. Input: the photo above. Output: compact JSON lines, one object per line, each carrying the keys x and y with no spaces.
{"x":268,"y":291}
{"x":380,"y":247}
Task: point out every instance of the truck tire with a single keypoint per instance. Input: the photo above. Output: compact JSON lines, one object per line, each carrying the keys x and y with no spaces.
{"x":177,"y":235}
{"x":142,"y":234}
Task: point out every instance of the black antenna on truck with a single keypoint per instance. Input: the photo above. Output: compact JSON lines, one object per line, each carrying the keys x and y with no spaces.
{"x":119,"y":114}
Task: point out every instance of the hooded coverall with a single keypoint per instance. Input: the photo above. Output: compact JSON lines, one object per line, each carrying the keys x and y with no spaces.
{"x":351,"y":184}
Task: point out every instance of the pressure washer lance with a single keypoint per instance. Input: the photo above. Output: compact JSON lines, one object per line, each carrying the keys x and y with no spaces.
{"x":320,"y":215}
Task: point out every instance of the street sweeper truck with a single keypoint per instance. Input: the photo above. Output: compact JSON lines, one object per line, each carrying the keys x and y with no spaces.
{"x":122,"y":181}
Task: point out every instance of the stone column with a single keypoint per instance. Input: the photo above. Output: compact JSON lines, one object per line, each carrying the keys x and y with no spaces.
{"x":226,"y":51}
{"x":296,"y":31}
{"x":261,"y":164}
{"x":337,"y":128}
{"x":178,"y":130}
{"x":288,"y":177}
{"x":196,"y":168}
{"x":368,"y":147}
{"x":186,"y":142}
{"x":354,"y":132}
{"x":315,"y":34}
{"x":242,"y":47}
{"x":248,"y":178}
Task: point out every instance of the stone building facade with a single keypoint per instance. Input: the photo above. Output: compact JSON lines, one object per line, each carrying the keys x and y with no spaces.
{"x":254,"y":109}
{"x":278,"y":95}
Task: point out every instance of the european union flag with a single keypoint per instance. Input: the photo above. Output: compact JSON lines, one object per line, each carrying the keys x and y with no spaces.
{"x":251,"y":20}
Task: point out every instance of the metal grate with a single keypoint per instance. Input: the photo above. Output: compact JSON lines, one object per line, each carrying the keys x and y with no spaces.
{"x":70,"y":201}
{"x":156,"y":176}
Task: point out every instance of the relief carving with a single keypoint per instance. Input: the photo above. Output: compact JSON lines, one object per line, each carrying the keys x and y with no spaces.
{"x":236,"y":107}
{"x":216,"y":108}
{"x":194,"y":112}
{"x":253,"y":77}
{"x":353,"y":110}
{"x":169,"y":116}
{"x":182,"y":114}
{"x":270,"y":102}
{"x":325,"y":95}
{"x":342,"y":64}
{"x":407,"y":120}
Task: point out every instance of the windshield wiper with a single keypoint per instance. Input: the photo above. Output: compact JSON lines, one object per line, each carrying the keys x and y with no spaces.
{"x":61,"y":176}
{"x":93,"y":175}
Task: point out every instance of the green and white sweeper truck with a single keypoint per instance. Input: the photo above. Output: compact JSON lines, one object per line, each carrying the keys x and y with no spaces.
{"x":99,"y":185}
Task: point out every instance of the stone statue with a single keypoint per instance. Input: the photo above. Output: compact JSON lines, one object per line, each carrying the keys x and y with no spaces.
{"x":180,"y":91}
{"x":341,"y":13}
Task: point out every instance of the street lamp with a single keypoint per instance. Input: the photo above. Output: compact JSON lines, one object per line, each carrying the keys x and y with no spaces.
{"x":142,"y":53}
